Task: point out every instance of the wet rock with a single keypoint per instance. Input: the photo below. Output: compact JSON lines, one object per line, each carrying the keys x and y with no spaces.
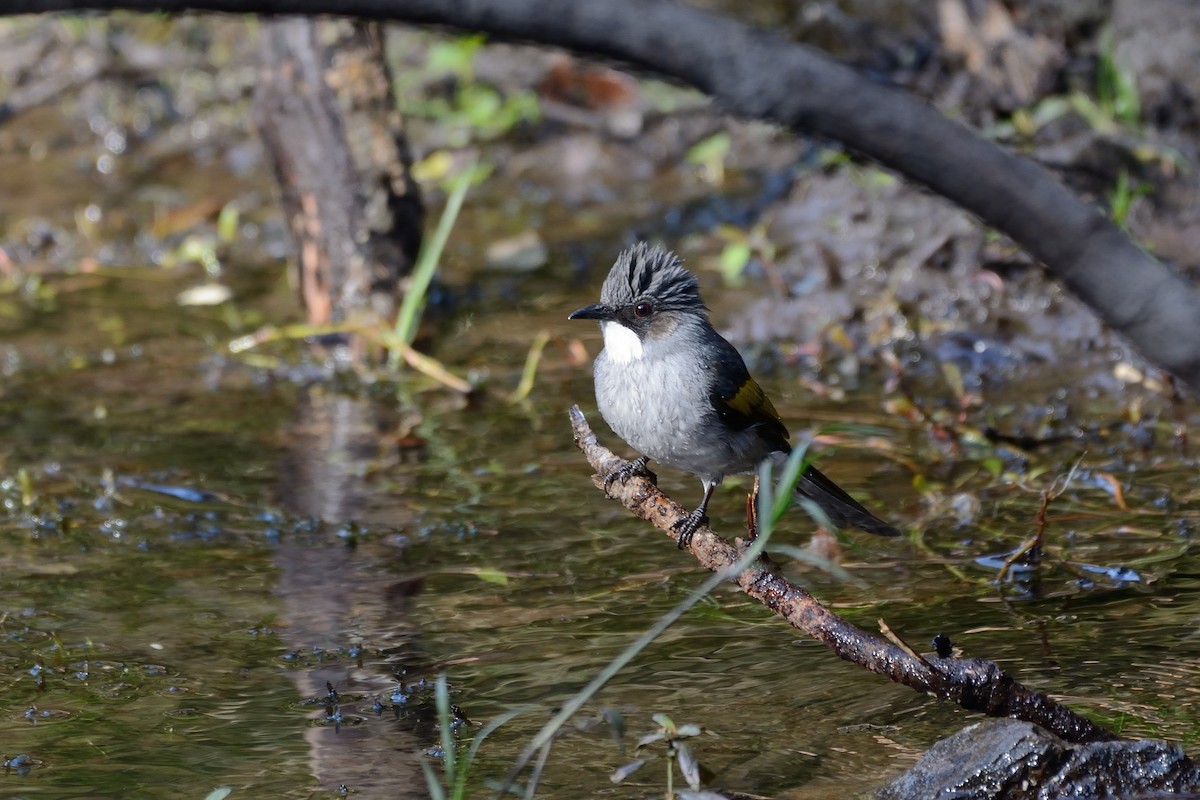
{"x":982,"y":356}
{"x":870,"y":263}
{"x":1020,"y":761}
{"x":524,"y":252}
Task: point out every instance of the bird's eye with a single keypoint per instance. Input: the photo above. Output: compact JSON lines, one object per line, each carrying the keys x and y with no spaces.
{"x":643,"y":309}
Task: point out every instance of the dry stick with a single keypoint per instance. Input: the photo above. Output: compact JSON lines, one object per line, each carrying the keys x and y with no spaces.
{"x":975,"y":684}
{"x":1030,"y":545}
{"x":1033,"y":545}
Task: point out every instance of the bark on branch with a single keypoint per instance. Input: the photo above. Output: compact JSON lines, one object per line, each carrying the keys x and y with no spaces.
{"x":976,"y":684}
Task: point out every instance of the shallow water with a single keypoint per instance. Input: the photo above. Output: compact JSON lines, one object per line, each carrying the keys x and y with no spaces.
{"x":174,"y":606}
{"x":198,"y":548}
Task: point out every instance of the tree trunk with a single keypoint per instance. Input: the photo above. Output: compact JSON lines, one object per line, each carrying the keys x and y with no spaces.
{"x":325,"y":109}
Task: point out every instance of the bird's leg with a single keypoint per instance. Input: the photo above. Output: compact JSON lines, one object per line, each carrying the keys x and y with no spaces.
{"x":752,"y":513}
{"x":631,"y":468}
{"x":687,"y":526}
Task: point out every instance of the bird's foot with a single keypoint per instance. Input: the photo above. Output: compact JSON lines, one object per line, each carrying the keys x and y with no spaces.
{"x":687,"y":527}
{"x":635,"y":467}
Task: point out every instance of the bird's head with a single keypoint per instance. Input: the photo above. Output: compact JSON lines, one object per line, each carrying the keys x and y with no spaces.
{"x":645,"y":297}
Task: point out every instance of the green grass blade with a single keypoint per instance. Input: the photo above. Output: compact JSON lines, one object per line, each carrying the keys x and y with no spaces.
{"x":484,"y":732}
{"x":427,"y":262}
{"x":436,"y":792}
{"x":785,"y":492}
{"x":445,"y":725}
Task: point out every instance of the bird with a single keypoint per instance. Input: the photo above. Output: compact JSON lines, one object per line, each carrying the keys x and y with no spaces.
{"x":680,"y":394}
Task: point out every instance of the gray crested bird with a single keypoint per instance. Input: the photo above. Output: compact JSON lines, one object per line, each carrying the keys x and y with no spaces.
{"x":678,"y":393}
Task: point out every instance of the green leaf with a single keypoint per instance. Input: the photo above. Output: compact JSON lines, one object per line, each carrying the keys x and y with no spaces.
{"x":227,"y":223}
{"x":954,"y":379}
{"x":734,"y":259}
{"x":689,"y":767}
{"x":621,"y":773}
{"x":711,"y":150}
{"x":649,"y":738}
{"x":456,"y":56}
{"x":616,"y":722}
{"x":480,"y":104}
{"x":491,"y":575}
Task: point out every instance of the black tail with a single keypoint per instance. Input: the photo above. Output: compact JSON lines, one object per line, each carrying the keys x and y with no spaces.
{"x":842,"y":509}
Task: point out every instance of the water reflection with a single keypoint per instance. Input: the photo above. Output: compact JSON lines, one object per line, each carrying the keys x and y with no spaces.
{"x":334,"y":595}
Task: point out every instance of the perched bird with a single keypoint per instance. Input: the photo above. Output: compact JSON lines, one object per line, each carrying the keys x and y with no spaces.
{"x":677,"y":392}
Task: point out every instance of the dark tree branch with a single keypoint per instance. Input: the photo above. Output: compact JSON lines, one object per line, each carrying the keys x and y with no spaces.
{"x":758,"y":73}
{"x":976,"y":684}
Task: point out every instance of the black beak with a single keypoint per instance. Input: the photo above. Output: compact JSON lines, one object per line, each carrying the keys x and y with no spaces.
{"x":598,"y":311}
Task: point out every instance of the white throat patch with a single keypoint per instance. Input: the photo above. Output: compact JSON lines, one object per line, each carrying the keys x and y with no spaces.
{"x":621,"y":344}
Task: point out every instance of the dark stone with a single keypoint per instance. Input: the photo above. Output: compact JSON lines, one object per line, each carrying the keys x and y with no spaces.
{"x":1019,"y":761}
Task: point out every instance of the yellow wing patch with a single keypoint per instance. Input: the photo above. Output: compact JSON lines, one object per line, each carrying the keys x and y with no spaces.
{"x":751,"y":401}
{"x":750,"y":407}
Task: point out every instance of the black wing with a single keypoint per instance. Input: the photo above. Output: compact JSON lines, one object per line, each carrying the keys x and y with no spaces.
{"x":740,"y":401}
{"x":843,"y":510}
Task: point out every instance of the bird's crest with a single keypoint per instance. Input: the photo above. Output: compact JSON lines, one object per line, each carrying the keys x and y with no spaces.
{"x":649,"y":271}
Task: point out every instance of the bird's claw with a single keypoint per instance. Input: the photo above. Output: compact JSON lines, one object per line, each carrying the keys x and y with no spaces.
{"x":687,"y":527}
{"x":624,"y":473}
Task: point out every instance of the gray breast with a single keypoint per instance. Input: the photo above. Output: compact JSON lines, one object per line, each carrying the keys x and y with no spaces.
{"x":659,"y":405}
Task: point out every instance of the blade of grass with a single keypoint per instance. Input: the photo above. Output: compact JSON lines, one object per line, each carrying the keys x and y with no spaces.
{"x":427,"y":261}
{"x":449,"y":742}
{"x":434,"y":369}
{"x":436,"y":792}
{"x":460,"y":789}
{"x":272,"y":333}
{"x":538,"y":766}
{"x":531,"y":364}
{"x":783,"y":500}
